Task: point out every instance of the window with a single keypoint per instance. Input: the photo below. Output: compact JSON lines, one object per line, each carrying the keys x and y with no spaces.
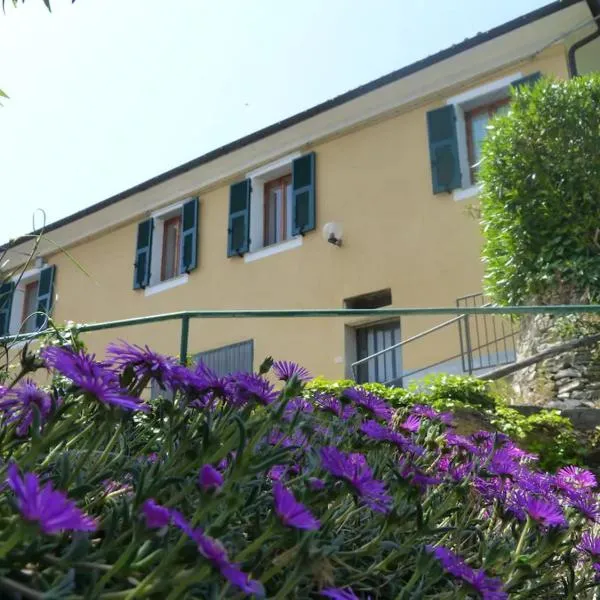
{"x":26,"y":300}
{"x":170,"y":248}
{"x":30,"y":298}
{"x":456,"y":131}
{"x":385,"y":367}
{"x":272,"y":208}
{"x":229,"y":359}
{"x":476,"y":123}
{"x":278,"y":203}
{"x":167,"y":247}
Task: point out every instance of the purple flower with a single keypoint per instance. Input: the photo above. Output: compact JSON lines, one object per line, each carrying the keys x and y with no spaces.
{"x":215,"y":552}
{"x":544,"y":512}
{"x":454,"y":440}
{"x":353,"y":469}
{"x":156,"y":516}
{"x":287,"y":370}
{"x":90,"y":377}
{"x":417,"y":477}
{"x":205,"y":379}
{"x":590,"y":545}
{"x":143,"y":361}
{"x":328,"y":403}
{"x":370,"y":402}
{"x":487,"y":587}
{"x":339,"y":594}
{"x":412,"y":424}
{"x":50,"y":508}
{"x":19,"y":402}
{"x":112,"y":487}
{"x":277,"y":438}
{"x":244,"y":388}
{"x":316,"y":484}
{"x":421,"y":410}
{"x":297,"y":405}
{"x":575,"y":478}
{"x":382,"y":433}
{"x":585,"y":505}
{"x":209,"y":479}
{"x":291,"y":512}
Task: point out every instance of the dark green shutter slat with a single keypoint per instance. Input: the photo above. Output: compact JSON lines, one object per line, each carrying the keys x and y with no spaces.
{"x":7,"y":290}
{"x":303,"y":194}
{"x":45,"y":296}
{"x":443,"y":149}
{"x":143,"y":251}
{"x":528,"y":80}
{"x":238,"y":231}
{"x":189,"y":236}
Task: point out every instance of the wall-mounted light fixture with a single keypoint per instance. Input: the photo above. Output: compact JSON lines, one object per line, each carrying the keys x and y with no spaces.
{"x":332,"y":233}
{"x":39,"y":262}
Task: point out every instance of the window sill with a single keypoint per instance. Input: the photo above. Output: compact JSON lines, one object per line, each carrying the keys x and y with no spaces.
{"x":166,"y":285}
{"x":465,"y":194}
{"x":295,"y":242}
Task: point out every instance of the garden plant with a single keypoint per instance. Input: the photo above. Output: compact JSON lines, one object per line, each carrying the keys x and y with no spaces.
{"x":259,"y":485}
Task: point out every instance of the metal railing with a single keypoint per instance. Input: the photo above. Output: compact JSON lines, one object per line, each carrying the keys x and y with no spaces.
{"x":184,"y":317}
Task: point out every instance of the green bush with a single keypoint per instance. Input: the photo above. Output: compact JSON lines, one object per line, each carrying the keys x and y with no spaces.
{"x":540,"y":200}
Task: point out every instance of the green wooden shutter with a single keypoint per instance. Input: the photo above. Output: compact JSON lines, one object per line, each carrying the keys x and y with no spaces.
{"x":45,"y":296}
{"x":143,"y":252}
{"x":527,"y":80}
{"x":303,"y":194}
{"x":238,"y":238}
{"x":189,"y":236}
{"x":7,"y":290}
{"x":443,"y":149}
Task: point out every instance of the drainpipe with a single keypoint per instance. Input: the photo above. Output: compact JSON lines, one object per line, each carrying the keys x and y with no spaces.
{"x":594,"y":6}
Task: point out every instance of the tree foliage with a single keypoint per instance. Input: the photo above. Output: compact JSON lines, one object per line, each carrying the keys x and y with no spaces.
{"x":540,"y":200}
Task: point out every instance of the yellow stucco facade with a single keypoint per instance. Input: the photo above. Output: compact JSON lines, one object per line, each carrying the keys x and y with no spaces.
{"x":375,"y":179}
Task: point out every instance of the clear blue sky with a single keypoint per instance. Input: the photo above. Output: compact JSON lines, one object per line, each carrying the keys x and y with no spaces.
{"x":108,"y":93}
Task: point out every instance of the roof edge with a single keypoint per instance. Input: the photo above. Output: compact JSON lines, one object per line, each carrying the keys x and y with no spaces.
{"x":361,"y":90}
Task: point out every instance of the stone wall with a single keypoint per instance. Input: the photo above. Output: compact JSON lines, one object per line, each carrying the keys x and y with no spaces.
{"x":566,"y":381}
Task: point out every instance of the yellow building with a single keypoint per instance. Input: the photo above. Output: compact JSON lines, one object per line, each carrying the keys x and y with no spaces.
{"x":388,"y":170}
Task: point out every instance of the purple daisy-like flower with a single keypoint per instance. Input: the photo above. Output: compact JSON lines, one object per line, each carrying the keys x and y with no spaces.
{"x":50,"y":508}
{"x":20,"y":403}
{"x":422,"y":410}
{"x":90,"y":377}
{"x":144,"y":362}
{"x":382,"y":433}
{"x":590,"y":545}
{"x":455,"y":440}
{"x":411,"y":424}
{"x":295,"y":406}
{"x":286,"y":370}
{"x":488,"y":588}
{"x":214,"y":551}
{"x":205,"y":379}
{"x":156,"y":516}
{"x":544,"y":512}
{"x":339,"y":594}
{"x":244,"y":388}
{"x":575,"y":478}
{"x":291,"y":512}
{"x":585,"y":504}
{"x":415,"y":476}
{"x":374,"y":404}
{"x":209,"y":479}
{"x":353,"y":469}
{"x":295,"y":440}
{"x":316,"y":484}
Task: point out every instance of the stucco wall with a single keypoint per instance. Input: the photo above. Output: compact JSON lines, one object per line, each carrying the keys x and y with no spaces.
{"x":397,"y":234}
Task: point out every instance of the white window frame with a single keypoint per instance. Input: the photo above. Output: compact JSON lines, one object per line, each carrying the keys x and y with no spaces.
{"x":158,"y":219}
{"x":21,"y":282}
{"x":258,"y":178}
{"x":463,"y":103}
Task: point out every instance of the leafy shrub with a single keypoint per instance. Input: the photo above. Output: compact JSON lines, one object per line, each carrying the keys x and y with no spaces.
{"x":540,"y":202}
{"x":237,"y":488}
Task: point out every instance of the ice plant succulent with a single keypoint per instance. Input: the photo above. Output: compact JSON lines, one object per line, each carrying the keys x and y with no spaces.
{"x":49,"y":508}
{"x":20,"y":404}
{"x":291,"y":512}
{"x":372,"y":403}
{"x":91,"y":377}
{"x":286,"y":370}
{"x":353,"y":469}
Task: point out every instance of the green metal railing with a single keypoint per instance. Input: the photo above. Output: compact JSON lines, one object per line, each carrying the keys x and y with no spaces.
{"x":186,"y":316}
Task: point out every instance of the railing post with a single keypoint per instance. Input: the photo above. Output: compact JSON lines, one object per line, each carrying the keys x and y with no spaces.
{"x":185,"y":336}
{"x":469,"y":346}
